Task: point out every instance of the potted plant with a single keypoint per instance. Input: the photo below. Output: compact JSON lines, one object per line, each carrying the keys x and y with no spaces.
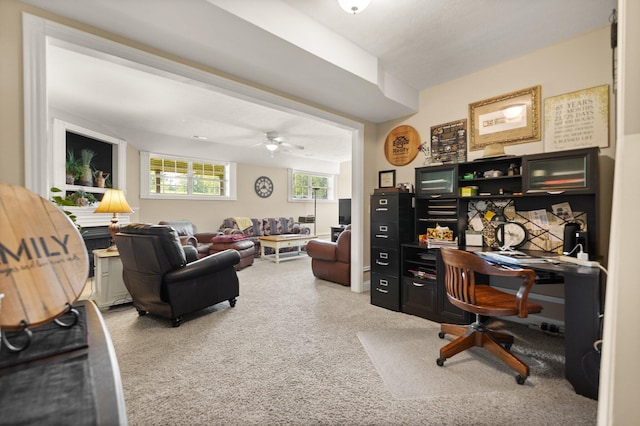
{"x":74,"y":167}
{"x":82,"y":199}
{"x":86,"y":156}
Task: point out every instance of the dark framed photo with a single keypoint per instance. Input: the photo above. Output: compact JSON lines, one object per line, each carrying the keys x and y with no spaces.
{"x":387,"y":179}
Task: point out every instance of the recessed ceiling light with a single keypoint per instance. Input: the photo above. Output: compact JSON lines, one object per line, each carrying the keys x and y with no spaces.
{"x":204,"y":138}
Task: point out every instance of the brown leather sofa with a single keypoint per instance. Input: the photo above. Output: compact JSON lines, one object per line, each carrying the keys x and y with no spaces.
{"x":332,"y":261}
{"x":189,"y":234}
{"x":167,"y":279}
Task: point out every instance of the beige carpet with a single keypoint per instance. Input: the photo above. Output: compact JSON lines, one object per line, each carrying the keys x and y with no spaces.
{"x":289,"y":353}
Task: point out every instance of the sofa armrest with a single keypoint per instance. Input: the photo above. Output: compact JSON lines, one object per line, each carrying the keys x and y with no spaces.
{"x":301,"y":229}
{"x":227,"y":231}
{"x":322,"y":250}
{"x":205,"y":237}
{"x":188,"y":240}
{"x":207,"y":265}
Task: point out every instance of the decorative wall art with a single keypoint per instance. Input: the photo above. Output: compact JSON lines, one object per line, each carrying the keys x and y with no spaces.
{"x":402,"y":145}
{"x":577,"y":119}
{"x":508,"y":119}
{"x":449,"y":142}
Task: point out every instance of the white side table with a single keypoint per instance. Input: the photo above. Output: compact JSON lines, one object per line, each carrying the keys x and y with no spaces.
{"x":108,"y":287}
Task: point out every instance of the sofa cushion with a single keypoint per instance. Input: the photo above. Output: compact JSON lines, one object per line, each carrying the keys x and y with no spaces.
{"x":272,"y":226}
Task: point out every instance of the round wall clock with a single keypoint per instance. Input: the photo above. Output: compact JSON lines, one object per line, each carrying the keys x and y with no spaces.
{"x":511,"y":235}
{"x":263,"y":187}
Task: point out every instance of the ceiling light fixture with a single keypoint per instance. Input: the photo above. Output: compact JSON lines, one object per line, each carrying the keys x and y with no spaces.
{"x":271,"y":145}
{"x":354,"y":6}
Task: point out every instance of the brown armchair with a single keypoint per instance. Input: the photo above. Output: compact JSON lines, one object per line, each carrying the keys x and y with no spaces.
{"x":166,"y":279}
{"x":188,"y":234}
{"x":332,"y":261}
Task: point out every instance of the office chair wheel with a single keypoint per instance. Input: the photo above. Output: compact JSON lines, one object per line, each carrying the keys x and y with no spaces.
{"x":440,"y":362}
{"x":175,"y":322}
{"x":141,"y":313}
{"x":232,"y":302}
{"x":507,"y":346}
{"x":441,"y":335}
{"x":520,"y":379}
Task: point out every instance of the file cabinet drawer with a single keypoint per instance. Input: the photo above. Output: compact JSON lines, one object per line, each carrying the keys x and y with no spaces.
{"x":385,"y":261}
{"x":385,"y":292}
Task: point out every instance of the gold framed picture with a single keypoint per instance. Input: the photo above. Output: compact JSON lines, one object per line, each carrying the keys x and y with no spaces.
{"x":509,"y":119}
{"x":387,"y":179}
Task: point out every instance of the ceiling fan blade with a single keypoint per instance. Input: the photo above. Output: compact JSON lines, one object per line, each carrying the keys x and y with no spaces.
{"x":290,"y":145}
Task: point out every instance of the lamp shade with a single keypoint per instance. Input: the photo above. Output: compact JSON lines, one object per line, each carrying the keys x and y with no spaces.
{"x":354,"y":6}
{"x":114,"y":201}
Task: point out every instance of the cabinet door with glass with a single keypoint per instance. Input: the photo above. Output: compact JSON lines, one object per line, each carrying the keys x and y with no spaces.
{"x":566,"y":172}
{"x":436,"y":181}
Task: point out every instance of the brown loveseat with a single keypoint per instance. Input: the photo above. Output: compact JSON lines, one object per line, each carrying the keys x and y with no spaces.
{"x":255,"y":228}
{"x":189,"y":234}
{"x":332,"y":261}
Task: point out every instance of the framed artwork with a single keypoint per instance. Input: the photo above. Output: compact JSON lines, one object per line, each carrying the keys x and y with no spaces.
{"x":577,"y":120}
{"x":402,"y":145}
{"x":449,"y":142}
{"x":387,"y":179}
{"x":508,"y":119}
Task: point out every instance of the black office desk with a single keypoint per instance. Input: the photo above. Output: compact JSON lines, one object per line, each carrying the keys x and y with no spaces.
{"x":582,"y":306}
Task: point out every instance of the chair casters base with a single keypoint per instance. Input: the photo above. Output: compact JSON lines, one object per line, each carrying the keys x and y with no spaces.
{"x":175,"y":322}
{"x":440,"y":361}
{"x":520,"y":379}
{"x":141,"y":313}
{"x":232,"y":302}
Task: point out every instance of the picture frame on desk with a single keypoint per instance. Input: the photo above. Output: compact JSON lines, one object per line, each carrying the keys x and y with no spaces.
{"x":509,"y":119}
{"x":387,"y":179}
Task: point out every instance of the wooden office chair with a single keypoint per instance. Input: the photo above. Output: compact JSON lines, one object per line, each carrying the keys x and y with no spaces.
{"x":461,"y":269}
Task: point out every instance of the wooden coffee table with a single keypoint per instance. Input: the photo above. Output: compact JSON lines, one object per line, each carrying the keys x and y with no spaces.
{"x":277,"y":242}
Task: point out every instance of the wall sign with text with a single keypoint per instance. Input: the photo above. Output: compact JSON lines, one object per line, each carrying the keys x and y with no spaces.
{"x":402,"y":145}
{"x":577,"y":119}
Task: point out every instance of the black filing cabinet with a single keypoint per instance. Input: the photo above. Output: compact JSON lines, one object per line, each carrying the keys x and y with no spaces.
{"x":392,"y":223}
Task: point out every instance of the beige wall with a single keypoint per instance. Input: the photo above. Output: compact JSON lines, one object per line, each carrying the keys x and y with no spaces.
{"x":578,"y":63}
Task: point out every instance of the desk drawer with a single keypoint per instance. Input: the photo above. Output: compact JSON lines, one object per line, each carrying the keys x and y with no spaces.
{"x":419,"y":297}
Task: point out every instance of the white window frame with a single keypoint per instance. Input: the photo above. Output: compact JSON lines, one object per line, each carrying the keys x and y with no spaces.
{"x":231,"y":173}
{"x":331,"y":191}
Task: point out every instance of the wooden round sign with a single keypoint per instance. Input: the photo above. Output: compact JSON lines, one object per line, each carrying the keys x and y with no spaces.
{"x":402,"y":145}
{"x":43,"y":260}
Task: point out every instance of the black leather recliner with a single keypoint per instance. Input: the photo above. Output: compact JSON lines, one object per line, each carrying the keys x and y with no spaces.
{"x":166,"y":279}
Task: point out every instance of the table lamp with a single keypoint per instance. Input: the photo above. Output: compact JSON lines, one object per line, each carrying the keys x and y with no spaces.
{"x":114,"y":202}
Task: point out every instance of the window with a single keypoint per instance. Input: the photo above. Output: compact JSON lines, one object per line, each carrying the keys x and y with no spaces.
{"x":176,"y":177}
{"x":304,"y":184}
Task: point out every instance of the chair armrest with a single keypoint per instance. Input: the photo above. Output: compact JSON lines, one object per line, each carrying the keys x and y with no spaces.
{"x":190,"y":252}
{"x":323,"y":250}
{"x":528,"y":280}
{"x":207,"y":265}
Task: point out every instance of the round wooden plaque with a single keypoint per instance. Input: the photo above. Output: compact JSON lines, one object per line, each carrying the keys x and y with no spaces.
{"x":43,"y":260}
{"x":402,"y":145}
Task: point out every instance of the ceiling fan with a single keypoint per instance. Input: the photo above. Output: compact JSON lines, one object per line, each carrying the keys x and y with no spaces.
{"x":275,"y":142}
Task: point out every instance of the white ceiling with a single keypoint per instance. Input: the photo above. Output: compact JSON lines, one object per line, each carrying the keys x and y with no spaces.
{"x":369,"y":66}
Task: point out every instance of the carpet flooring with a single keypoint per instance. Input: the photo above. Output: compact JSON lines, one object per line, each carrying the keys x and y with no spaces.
{"x":296,"y":350}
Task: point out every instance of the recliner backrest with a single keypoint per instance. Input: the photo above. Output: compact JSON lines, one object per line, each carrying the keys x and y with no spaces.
{"x":182,"y":227}
{"x":165,"y":243}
